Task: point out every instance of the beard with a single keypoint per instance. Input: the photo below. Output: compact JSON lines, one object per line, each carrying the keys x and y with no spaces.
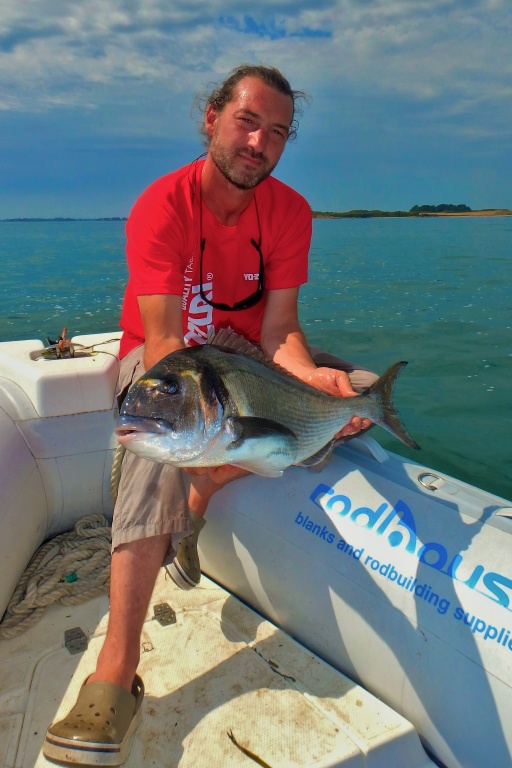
{"x":242,"y":178}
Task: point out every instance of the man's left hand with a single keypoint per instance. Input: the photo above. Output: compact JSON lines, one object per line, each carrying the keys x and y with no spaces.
{"x":338,"y":383}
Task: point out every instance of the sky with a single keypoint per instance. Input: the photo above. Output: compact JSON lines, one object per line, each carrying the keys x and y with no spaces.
{"x":409,"y":101}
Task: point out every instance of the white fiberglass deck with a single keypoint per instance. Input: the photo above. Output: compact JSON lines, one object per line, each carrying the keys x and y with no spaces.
{"x":219,"y":668}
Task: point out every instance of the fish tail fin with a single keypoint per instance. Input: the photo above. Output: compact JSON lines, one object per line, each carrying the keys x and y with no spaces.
{"x":382,"y":390}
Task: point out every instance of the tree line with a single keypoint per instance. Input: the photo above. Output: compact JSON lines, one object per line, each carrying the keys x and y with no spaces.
{"x":416,"y":210}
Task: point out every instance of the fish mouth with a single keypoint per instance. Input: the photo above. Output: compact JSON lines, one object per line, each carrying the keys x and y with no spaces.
{"x":130,"y":428}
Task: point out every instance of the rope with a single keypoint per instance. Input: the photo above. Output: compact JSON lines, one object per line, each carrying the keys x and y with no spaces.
{"x":115,"y":475}
{"x":69,"y":569}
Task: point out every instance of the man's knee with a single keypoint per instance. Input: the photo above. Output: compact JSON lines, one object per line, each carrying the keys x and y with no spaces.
{"x":361,"y":379}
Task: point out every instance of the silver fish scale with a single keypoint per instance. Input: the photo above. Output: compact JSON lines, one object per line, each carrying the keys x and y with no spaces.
{"x":312,"y":415}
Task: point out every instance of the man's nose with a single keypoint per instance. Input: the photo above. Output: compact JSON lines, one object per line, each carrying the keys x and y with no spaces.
{"x":258,"y":139}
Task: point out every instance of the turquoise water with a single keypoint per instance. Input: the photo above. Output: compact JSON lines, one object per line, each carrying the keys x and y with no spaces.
{"x":435,"y":292}
{"x":56,"y":274}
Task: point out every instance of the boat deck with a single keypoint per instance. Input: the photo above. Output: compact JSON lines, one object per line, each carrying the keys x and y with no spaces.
{"x":216,"y":668}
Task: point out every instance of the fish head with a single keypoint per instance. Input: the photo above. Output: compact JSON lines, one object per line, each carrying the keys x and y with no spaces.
{"x":172,"y":413}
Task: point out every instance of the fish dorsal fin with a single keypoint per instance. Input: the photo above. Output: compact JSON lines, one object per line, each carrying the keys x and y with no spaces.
{"x":231,"y":341}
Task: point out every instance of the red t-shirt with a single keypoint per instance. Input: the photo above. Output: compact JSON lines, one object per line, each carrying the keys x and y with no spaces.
{"x":163,"y":252}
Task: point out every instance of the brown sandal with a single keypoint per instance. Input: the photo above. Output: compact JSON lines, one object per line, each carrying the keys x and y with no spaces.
{"x":97,"y":731}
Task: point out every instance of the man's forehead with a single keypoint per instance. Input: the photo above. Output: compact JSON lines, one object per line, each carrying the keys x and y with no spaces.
{"x":252,"y":86}
{"x":252,"y":95}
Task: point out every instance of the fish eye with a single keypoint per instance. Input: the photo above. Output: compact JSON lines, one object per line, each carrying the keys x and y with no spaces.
{"x":170,"y":387}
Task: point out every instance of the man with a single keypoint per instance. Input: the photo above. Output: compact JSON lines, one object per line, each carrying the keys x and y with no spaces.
{"x":217,"y":243}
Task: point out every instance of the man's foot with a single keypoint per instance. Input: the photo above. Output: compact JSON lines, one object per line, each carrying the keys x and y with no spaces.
{"x":97,"y":731}
{"x":185,"y":569}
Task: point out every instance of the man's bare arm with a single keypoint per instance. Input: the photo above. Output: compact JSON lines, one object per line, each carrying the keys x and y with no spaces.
{"x":161,"y":317}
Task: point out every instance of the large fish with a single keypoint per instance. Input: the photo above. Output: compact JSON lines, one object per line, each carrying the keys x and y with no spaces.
{"x":225,"y":403}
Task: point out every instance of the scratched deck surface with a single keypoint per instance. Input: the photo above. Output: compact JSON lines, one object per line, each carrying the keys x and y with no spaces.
{"x":218,"y":669}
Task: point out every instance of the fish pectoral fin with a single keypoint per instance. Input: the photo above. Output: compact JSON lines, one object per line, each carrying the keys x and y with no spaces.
{"x":262,"y":446}
{"x":319,"y":456}
{"x":253,"y":427}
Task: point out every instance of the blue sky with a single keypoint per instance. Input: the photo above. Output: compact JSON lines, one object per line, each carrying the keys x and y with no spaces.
{"x":410,"y":100}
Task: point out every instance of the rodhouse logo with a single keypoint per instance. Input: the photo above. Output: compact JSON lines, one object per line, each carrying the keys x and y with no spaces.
{"x":397,"y":526}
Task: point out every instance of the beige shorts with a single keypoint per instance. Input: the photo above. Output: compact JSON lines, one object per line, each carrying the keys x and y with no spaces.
{"x":153,"y":498}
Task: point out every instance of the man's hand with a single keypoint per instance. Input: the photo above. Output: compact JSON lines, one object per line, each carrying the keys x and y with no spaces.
{"x":338,"y":383}
{"x":205,"y":481}
{"x":218,"y":475}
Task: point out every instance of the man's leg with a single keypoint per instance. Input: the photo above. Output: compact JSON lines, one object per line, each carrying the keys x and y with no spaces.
{"x":151,"y":506}
{"x":134,"y":570}
{"x":98,"y":728}
{"x":185,"y":569}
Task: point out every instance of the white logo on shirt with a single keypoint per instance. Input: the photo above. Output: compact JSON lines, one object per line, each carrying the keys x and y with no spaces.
{"x":199,"y":320}
{"x":186,"y":289}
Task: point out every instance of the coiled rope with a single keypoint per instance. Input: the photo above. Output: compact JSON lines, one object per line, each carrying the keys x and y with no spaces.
{"x":69,"y":569}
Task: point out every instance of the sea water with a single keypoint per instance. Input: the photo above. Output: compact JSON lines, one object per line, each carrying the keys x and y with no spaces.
{"x":436,"y":292}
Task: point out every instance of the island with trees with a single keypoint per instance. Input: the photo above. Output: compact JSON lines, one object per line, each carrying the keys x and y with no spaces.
{"x":444,"y":209}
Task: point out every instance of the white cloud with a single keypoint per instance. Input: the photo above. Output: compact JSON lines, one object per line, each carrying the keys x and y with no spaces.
{"x":446,"y":55}
{"x":104,"y":41}
{"x":424,"y":48}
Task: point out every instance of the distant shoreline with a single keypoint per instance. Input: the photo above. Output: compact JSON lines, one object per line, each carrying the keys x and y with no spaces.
{"x":408,"y":215}
{"x":63,"y":219}
{"x":359,"y":214}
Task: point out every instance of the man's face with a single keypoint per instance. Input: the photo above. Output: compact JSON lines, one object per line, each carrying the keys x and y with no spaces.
{"x":249,"y":135}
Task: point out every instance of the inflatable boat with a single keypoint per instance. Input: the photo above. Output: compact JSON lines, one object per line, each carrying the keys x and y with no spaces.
{"x":356,"y":616}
